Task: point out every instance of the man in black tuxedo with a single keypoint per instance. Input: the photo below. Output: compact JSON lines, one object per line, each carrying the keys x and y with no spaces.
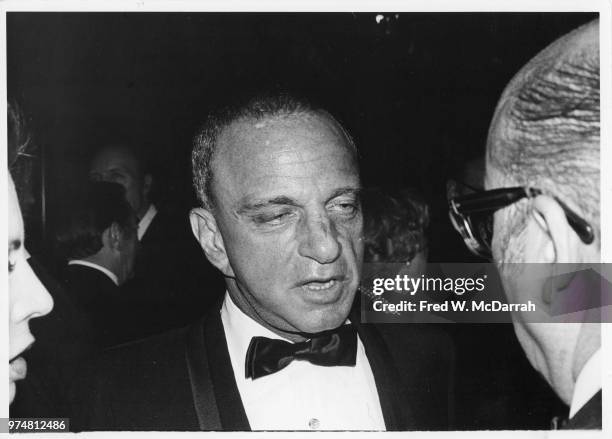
{"x":279,"y":186}
{"x":98,"y":240}
{"x":170,"y":268}
{"x":543,"y":157}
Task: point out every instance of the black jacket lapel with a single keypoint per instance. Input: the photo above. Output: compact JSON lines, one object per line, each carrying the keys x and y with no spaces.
{"x":215,"y":393}
{"x":201,"y":384}
{"x":396,"y":411}
{"x":231,"y":410}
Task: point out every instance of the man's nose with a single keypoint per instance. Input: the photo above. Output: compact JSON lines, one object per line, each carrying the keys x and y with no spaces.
{"x":319,"y":240}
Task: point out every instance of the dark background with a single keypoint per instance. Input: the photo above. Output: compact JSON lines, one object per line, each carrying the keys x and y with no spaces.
{"x":417,"y":91}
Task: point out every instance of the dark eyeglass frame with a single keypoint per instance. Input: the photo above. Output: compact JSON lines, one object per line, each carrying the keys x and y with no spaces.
{"x":487,"y":202}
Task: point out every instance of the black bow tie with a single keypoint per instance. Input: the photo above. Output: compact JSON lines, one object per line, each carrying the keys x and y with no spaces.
{"x":333,"y":348}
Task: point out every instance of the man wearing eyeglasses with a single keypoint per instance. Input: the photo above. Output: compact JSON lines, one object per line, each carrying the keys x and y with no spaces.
{"x":542,"y":206}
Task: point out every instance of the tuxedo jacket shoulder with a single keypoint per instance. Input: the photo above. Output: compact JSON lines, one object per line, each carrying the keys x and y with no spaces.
{"x":423,"y":356}
{"x":111,"y":314}
{"x":139,"y":386}
{"x":89,"y":288}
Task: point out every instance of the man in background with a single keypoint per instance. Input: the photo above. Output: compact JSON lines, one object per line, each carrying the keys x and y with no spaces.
{"x":172,"y":279}
{"x":98,"y":240}
{"x":543,"y":153}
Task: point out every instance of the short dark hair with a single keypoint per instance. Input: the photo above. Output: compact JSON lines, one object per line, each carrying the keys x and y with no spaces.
{"x":261,"y":106}
{"x":99,"y":206}
{"x":551,"y":128}
{"x":396,"y":217}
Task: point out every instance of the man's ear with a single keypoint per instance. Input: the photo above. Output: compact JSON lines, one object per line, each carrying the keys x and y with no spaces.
{"x":550,"y":238}
{"x":111,"y":237}
{"x":206,"y":231}
{"x":147,"y":183}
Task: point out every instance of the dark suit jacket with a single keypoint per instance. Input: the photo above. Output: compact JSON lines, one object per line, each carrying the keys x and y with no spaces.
{"x":183,"y":380}
{"x":170,"y":270}
{"x":110,"y":315}
{"x":588,"y":417}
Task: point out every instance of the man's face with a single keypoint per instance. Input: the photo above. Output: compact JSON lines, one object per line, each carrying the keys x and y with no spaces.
{"x":548,"y":345}
{"x":117,"y":165}
{"x":287,"y":207}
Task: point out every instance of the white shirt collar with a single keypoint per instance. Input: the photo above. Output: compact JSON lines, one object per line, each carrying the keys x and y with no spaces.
{"x":587,"y":384}
{"x":301,"y":396}
{"x":95,"y":266}
{"x":239,"y":329}
{"x":145,"y":221}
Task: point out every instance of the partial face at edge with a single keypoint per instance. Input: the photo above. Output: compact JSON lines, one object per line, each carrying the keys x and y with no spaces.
{"x":549,"y":347}
{"x":290,"y":220}
{"x":28,"y":298}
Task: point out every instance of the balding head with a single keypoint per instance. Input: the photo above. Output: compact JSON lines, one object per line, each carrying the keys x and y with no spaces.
{"x":260,"y":108}
{"x":545,"y":134}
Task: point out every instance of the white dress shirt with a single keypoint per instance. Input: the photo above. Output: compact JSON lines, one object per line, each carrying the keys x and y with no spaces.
{"x":145,"y":221}
{"x":587,"y":384}
{"x":95,"y":266}
{"x":302,"y":396}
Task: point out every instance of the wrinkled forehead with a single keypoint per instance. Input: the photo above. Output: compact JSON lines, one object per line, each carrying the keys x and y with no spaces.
{"x":296,"y":154}
{"x":281,"y":141}
{"x":254,"y":135}
{"x":577,"y":48}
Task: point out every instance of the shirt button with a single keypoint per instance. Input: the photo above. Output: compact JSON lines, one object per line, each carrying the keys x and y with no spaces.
{"x":314,"y":424}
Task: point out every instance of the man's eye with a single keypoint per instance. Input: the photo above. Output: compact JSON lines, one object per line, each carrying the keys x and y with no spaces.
{"x":346,"y":208}
{"x":273,"y":219}
{"x":279,"y":218}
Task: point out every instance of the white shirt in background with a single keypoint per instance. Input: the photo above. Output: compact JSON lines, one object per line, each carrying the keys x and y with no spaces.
{"x":145,"y":221}
{"x":95,"y":266}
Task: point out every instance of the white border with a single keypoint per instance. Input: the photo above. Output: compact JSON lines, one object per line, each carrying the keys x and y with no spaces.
{"x":309,"y":6}
{"x":601,"y":6}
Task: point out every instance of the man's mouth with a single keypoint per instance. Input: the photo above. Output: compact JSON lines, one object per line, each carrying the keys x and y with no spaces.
{"x":320,"y":286}
{"x":322,"y":283}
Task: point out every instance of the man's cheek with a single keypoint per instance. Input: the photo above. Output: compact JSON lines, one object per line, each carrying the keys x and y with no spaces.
{"x":352,"y":235}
